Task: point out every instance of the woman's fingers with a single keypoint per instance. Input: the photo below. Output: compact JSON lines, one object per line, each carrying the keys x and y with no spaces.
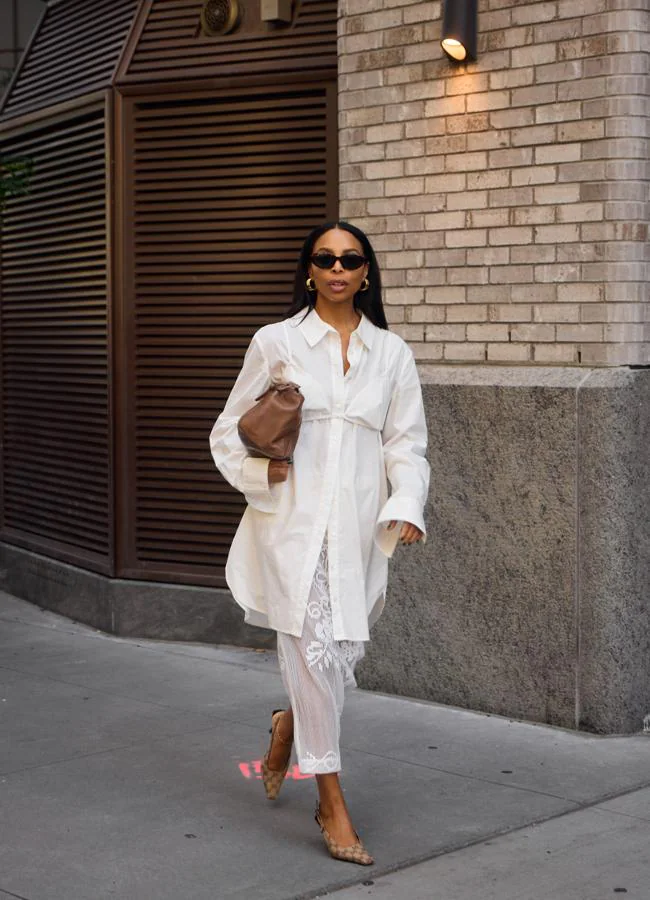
{"x":278,"y":471}
{"x":410,"y":533}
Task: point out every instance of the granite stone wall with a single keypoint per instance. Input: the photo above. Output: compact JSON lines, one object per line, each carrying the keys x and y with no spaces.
{"x":531,"y":596}
{"x":508,"y":198}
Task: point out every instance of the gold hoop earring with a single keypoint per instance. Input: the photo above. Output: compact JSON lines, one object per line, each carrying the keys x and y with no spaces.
{"x":365,"y":284}
{"x":310,"y":284}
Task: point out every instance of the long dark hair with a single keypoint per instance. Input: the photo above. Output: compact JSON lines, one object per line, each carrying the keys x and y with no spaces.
{"x":368,"y":301}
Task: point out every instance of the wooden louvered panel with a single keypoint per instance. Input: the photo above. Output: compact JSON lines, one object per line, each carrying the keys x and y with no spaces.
{"x":53,"y":316}
{"x":171,"y":46}
{"x":216,"y":234}
{"x":75,"y":52}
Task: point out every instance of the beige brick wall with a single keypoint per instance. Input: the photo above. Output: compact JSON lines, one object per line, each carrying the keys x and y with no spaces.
{"x":508,"y":199}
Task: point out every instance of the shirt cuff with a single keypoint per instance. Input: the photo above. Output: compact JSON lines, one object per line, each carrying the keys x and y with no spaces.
{"x":399,"y":509}
{"x":255,"y":484}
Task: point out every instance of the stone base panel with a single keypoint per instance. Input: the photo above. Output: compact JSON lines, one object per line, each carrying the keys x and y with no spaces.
{"x":128,"y":608}
{"x":531,"y":597}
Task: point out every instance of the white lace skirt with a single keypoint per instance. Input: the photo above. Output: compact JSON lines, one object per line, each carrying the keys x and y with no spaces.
{"x":315,"y":670}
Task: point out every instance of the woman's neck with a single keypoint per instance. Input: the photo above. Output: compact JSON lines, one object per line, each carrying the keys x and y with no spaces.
{"x":342,"y":316}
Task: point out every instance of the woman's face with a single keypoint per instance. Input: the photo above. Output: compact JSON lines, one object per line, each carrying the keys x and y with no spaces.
{"x":336,"y":284}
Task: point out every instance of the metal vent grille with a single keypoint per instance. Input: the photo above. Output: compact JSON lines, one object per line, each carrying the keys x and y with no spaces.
{"x":224,"y":193}
{"x":219,"y":16}
{"x":53,"y":319}
{"x":75,"y":52}
{"x":168,"y":46}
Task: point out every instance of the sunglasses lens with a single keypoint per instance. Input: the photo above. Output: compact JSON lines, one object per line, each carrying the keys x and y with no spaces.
{"x":349,"y":261}
{"x":324,"y":260}
{"x":352,"y":261}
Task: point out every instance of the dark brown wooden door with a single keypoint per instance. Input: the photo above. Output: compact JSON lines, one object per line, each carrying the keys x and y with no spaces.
{"x":220,"y":192}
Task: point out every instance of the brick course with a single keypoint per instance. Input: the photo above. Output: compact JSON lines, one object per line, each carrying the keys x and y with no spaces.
{"x":507,"y":199}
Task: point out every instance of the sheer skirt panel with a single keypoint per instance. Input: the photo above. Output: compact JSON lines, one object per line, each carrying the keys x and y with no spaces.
{"x":315,"y":670}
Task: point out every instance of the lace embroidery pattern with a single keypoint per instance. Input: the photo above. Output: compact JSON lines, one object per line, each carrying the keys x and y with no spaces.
{"x":323,"y":651}
{"x":313,"y":765}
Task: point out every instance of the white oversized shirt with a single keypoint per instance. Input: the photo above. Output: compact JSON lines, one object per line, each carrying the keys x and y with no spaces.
{"x":361,"y":432}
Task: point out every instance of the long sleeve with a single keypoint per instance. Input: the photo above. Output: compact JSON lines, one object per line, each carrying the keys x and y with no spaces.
{"x":404,"y":439}
{"x":245,"y":473}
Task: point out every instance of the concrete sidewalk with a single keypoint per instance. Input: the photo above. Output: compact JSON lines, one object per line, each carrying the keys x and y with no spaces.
{"x":128,"y":769}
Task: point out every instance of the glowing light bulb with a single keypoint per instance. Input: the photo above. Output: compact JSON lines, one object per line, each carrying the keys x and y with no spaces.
{"x":454,"y":48}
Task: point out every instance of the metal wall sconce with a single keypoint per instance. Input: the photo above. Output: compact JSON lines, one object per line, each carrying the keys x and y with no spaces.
{"x":276,"y":11}
{"x":459,"y":29}
{"x":219,"y":18}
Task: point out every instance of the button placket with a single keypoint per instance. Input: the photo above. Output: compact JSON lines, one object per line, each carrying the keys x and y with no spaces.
{"x":355,"y":350}
{"x":336,"y":360}
{"x":338,"y":380}
{"x":324,"y":517}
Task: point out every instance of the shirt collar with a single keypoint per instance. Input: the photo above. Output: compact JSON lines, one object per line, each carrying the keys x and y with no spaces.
{"x":314,"y":328}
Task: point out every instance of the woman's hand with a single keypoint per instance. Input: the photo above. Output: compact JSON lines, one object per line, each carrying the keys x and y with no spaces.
{"x":410,"y":534}
{"x":278,"y":471}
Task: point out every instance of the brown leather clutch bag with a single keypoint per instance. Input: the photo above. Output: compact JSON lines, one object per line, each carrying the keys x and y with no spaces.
{"x":271,"y":427}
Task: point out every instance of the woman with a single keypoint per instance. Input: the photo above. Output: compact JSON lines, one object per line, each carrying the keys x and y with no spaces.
{"x":310,"y":556}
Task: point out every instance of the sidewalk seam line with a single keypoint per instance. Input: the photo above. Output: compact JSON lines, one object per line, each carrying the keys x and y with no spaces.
{"x":96,"y":690}
{"x":9,"y":894}
{"x":578,"y":803}
{"x":130,"y":641}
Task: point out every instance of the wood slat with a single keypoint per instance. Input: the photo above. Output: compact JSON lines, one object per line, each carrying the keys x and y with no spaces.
{"x":75,"y":52}
{"x":53,"y":328}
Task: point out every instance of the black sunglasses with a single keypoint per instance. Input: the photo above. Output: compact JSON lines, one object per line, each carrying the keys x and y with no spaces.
{"x":349,"y":261}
